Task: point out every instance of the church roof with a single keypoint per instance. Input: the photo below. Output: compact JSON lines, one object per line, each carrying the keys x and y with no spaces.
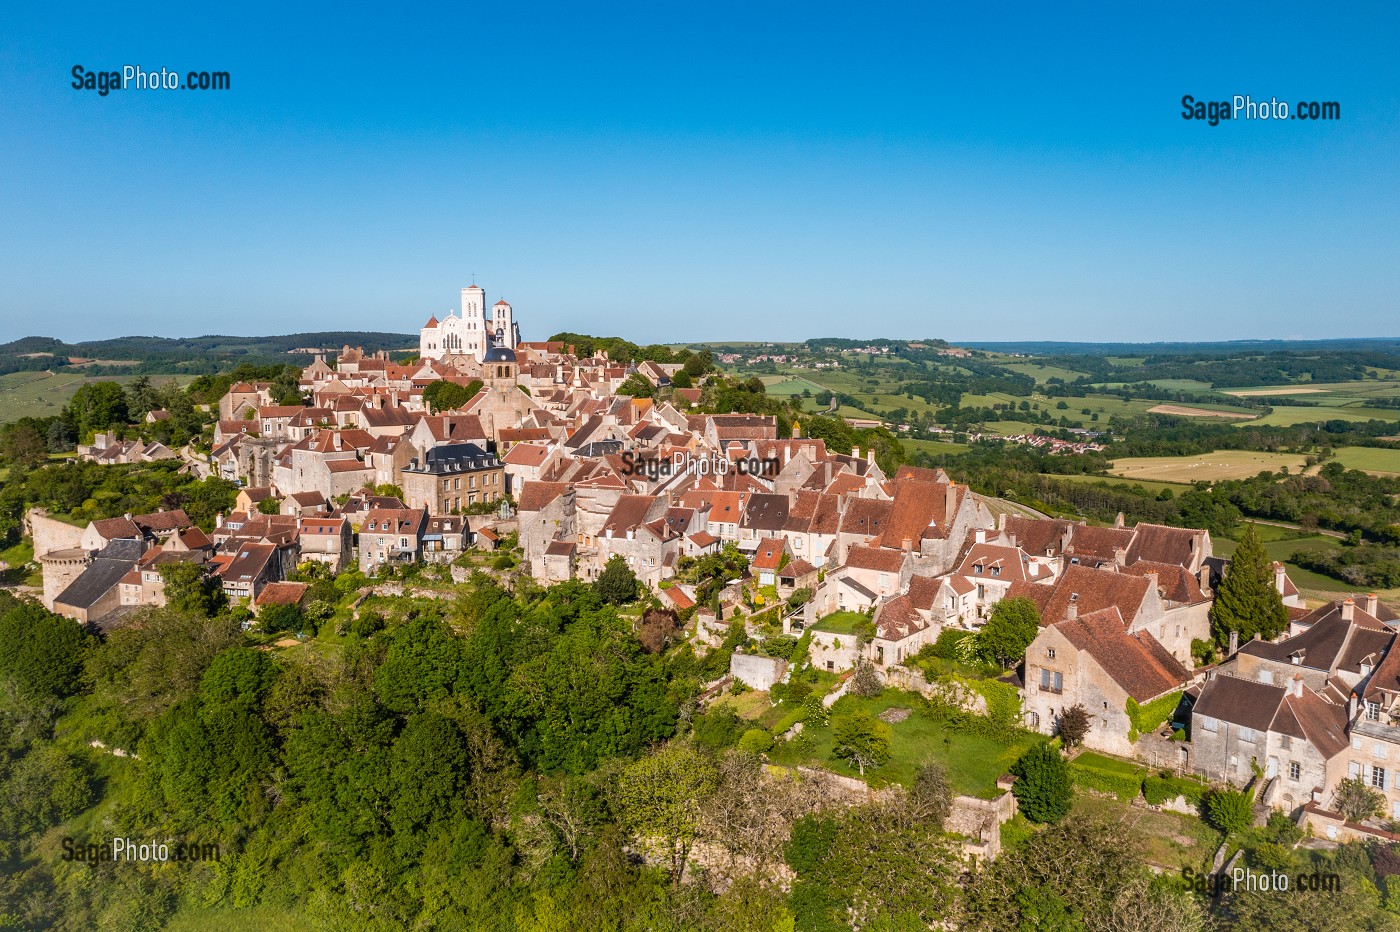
{"x":432,"y":322}
{"x":501,"y":303}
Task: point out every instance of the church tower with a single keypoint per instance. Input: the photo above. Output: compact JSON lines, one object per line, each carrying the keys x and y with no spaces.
{"x":503,"y":325}
{"x":474,"y":341}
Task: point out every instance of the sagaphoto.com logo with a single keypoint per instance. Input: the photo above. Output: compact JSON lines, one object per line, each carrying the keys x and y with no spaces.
{"x":1245,"y":107}
{"x":134,"y":77}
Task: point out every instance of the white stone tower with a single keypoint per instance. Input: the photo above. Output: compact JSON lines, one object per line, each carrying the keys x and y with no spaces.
{"x":503,"y":324}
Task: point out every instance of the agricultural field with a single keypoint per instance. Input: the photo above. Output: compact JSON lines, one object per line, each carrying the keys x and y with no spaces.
{"x":1200,"y":410}
{"x":1040,"y":371}
{"x":1206,"y":467}
{"x":1374,"y":460}
{"x":933,"y":447}
{"x":41,"y":394}
{"x":1150,"y":485}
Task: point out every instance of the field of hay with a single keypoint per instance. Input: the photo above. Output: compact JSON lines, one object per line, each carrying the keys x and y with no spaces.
{"x":1206,"y":467}
{"x":1183,"y":411}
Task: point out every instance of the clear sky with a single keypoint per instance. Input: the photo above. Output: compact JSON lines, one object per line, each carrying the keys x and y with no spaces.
{"x":675,"y":172}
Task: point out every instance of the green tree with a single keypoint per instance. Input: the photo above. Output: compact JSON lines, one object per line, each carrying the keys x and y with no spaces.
{"x":1012,"y":627}
{"x":276,"y":618}
{"x":96,"y":406}
{"x":1043,"y":787}
{"x":24,"y":444}
{"x":41,"y":652}
{"x":269,"y":506}
{"x":1247,"y":600}
{"x":188,"y":588}
{"x":1357,"y":801}
{"x":682,"y":379}
{"x":860,"y":738}
{"x":616,"y":584}
{"x":1230,"y":811}
{"x":660,"y":798}
{"x":637,"y":386}
{"x":443,"y":395}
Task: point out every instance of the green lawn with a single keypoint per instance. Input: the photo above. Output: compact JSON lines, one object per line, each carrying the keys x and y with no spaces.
{"x":973,"y":763}
{"x":842,"y":623}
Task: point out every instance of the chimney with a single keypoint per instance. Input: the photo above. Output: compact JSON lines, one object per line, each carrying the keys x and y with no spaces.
{"x":950,"y":504}
{"x":1278,"y":577}
{"x":1204,"y":579}
{"x":1295,"y":686}
{"x":1348,"y":609}
{"x":981,"y":537}
{"x":219,"y":520}
{"x":855,"y":453}
{"x":1234,"y":643}
{"x":870,"y":456}
{"x":1012,"y":539}
{"x":1371,"y":605}
{"x":1072,"y":610}
{"x":908,"y":544}
{"x":1119,"y":521}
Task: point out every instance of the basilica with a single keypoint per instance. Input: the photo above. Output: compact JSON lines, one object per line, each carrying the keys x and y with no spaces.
{"x":472,"y":333}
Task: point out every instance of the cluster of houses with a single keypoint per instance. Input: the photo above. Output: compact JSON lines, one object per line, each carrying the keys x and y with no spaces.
{"x":594,"y":475}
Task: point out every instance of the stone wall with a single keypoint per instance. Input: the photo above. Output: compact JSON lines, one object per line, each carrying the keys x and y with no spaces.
{"x":50,"y":534}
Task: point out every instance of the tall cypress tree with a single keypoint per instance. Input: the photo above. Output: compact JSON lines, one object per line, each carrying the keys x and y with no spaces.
{"x":1247,"y":600}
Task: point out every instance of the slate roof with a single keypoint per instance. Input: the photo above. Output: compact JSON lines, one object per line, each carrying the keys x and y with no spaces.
{"x":106,"y":570}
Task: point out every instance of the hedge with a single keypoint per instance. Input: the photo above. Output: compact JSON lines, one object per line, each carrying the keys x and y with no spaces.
{"x":1145,"y":718}
{"x":1158,"y":790}
{"x":1121,"y":785}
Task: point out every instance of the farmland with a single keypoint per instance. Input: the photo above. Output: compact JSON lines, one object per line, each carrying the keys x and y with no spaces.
{"x":41,"y":394}
{"x":1206,"y":467}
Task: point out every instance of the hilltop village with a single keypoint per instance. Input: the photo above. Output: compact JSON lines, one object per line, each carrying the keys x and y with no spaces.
{"x":823,"y":575}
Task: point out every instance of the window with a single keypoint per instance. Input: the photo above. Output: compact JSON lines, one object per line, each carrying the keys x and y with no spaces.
{"x":1285,"y":741}
{"x":1295,"y":770}
{"x":1052,"y":681}
{"x":1354,"y":770}
{"x":1207,"y":723}
{"x":1378,"y":751}
{"x":1356,"y":742}
{"x":1378,"y":777}
{"x":996,"y":571}
{"x":1050,"y":652}
{"x":1247,"y":734}
{"x":1266,"y":677}
{"x":1373,"y":711}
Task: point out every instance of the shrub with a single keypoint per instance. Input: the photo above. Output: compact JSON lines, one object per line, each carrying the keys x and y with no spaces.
{"x":1146,"y":718}
{"x":1230,"y":811}
{"x":756,"y":741}
{"x":1158,"y":790}
{"x":1043,"y":786}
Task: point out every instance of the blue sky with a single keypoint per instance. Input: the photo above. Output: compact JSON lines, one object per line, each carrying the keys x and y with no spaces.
{"x":704,"y":172}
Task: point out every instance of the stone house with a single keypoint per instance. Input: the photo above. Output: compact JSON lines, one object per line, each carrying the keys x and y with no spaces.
{"x":1096,"y":661}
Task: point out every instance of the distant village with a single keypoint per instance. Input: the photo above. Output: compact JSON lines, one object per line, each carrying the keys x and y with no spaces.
{"x":548,"y":454}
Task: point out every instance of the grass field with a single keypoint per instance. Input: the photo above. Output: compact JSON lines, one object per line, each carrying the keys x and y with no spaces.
{"x":934,"y":447}
{"x":1206,"y":467}
{"x":1151,"y":485}
{"x":1040,"y":371}
{"x":1169,"y":840}
{"x":1196,"y":410}
{"x":1287,"y":417}
{"x":42,"y":394}
{"x":1370,"y":459}
{"x":973,"y":763}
